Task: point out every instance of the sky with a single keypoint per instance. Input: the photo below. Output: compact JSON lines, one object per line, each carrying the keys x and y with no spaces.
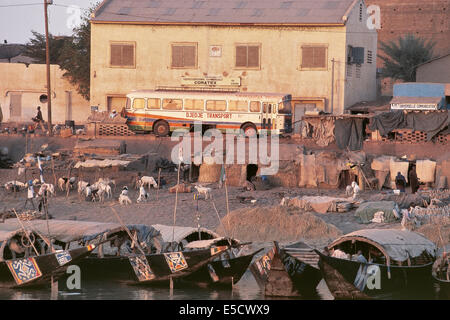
{"x":19,"y":17}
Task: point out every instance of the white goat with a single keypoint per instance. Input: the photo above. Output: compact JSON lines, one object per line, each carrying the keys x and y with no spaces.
{"x":82,"y":186}
{"x":147,"y":181}
{"x":107,"y":181}
{"x":143,"y":195}
{"x":50,"y":188}
{"x":204,"y":190}
{"x":11,"y":184}
{"x":123,"y":198}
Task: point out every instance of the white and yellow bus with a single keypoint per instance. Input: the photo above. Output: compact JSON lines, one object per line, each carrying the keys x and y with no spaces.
{"x":165,"y":111}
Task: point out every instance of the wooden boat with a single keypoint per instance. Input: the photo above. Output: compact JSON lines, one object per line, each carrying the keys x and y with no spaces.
{"x":288,"y":272}
{"x":399,"y":265}
{"x":226,"y":269}
{"x":441,"y":275}
{"x":118,"y":257}
{"x":24,"y":268}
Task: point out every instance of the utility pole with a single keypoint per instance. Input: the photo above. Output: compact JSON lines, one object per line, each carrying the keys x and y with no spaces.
{"x":332,"y":85}
{"x":47,"y":60}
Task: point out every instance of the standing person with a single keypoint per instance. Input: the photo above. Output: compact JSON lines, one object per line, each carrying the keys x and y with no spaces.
{"x":30,"y":195}
{"x":39,"y":120}
{"x":413,"y":180}
{"x":400,"y":182}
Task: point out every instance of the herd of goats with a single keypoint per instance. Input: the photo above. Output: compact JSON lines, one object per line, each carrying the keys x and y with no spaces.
{"x":98,"y":191}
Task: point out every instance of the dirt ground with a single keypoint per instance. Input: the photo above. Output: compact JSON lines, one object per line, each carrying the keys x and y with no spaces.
{"x":160,"y":208}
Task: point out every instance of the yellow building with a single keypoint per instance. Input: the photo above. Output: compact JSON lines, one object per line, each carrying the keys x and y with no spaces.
{"x":23,"y":87}
{"x":304,"y":48}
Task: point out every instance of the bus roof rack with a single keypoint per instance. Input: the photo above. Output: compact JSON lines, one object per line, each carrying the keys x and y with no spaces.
{"x":212,"y":89}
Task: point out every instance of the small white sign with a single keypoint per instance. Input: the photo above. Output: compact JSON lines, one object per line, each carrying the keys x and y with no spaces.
{"x":215,"y":51}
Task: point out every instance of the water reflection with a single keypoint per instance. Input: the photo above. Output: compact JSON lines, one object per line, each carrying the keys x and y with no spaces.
{"x":246,"y":289}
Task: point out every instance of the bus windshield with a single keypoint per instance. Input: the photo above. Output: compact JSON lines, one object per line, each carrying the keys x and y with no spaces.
{"x":285,"y":107}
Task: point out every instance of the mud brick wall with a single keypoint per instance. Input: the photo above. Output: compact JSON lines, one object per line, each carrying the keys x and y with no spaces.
{"x":427,"y":19}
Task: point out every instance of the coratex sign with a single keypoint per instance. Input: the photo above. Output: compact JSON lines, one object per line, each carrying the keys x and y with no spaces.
{"x":211,"y":82}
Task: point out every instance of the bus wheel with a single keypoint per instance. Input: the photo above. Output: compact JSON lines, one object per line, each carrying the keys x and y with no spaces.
{"x":249,"y":130}
{"x":161,"y":128}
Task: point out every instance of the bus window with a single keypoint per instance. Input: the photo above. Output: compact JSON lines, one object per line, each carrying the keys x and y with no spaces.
{"x":194,"y":104}
{"x":241,"y":106}
{"x":270,"y":108}
{"x":172,"y":104}
{"x":274,"y":108}
{"x":216,"y":105}
{"x":128,"y":105}
{"x":154,"y":104}
{"x":255,"y":106}
{"x":264,"y":107}
{"x":138,"y":103}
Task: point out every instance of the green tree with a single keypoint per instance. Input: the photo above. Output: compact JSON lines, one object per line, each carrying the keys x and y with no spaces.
{"x":75,"y":57}
{"x":35,"y":48}
{"x":402,"y":57}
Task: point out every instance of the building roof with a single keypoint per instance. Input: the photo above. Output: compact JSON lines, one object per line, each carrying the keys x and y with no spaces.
{"x":224,"y":12}
{"x":427,"y":100}
{"x":432,"y":60}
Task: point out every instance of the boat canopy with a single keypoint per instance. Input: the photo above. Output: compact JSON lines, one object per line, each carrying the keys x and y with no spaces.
{"x":188,"y":234}
{"x":397,"y":244}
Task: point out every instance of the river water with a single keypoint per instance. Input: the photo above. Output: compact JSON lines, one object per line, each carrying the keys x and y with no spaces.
{"x":245,"y":289}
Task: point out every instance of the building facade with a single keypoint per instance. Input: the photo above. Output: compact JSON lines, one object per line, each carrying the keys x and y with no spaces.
{"x":321,"y":52}
{"x":23,"y":87}
{"x":436,"y":70}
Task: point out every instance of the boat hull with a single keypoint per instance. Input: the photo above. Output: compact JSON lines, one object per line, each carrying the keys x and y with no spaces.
{"x":387,"y":282}
{"x":39,"y":270}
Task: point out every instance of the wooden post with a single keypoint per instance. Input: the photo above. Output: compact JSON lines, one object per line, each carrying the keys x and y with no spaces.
{"x":53,"y":171}
{"x":54,"y":289}
{"x":159,"y":183}
{"x":47,"y":61}
{"x":171,"y":287}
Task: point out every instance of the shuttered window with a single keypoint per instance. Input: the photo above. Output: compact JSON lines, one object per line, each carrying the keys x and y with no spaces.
{"x":153,"y":103}
{"x":122,"y":55}
{"x":255,"y":106}
{"x":138,"y":103}
{"x":241,"y":106}
{"x":194,"y":104}
{"x":172,"y":104}
{"x":247,"y":56}
{"x":184,"y":55}
{"x":314,"y":57}
{"x":216,"y":105}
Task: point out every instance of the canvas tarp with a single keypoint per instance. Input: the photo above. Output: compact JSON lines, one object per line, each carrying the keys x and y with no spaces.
{"x":319,"y":204}
{"x":432,"y":122}
{"x":398,"y":244}
{"x":349,"y":133}
{"x":178,"y":234}
{"x":425,"y":170}
{"x":307,"y":168}
{"x":403,"y":200}
{"x":366,"y":211}
{"x":398,"y":166}
{"x":323,"y":130}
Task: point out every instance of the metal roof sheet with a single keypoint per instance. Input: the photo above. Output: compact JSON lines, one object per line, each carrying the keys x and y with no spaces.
{"x":224,"y":11}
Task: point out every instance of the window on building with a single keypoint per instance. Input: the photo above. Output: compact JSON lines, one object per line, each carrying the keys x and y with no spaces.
{"x":314,"y":57}
{"x":139,"y":103}
{"x":153,"y":103}
{"x":369,"y":56}
{"x":241,"y":106}
{"x":247,"y":56}
{"x":255,"y":106}
{"x":122,"y":55}
{"x":116,"y":103}
{"x":358,"y":71}
{"x":360,"y":12}
{"x":216,"y":105}
{"x":184,"y":55}
{"x":172,"y":104}
{"x":194,"y":104}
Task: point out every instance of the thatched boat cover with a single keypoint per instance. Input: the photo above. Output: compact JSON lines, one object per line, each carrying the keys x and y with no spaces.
{"x":92,"y":163}
{"x":202,"y":244}
{"x":6,"y":235}
{"x":398,"y":244}
{"x":61,"y":230}
{"x":181,"y":233}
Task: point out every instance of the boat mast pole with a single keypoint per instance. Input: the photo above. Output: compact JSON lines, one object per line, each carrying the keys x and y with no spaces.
{"x":25,"y":231}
